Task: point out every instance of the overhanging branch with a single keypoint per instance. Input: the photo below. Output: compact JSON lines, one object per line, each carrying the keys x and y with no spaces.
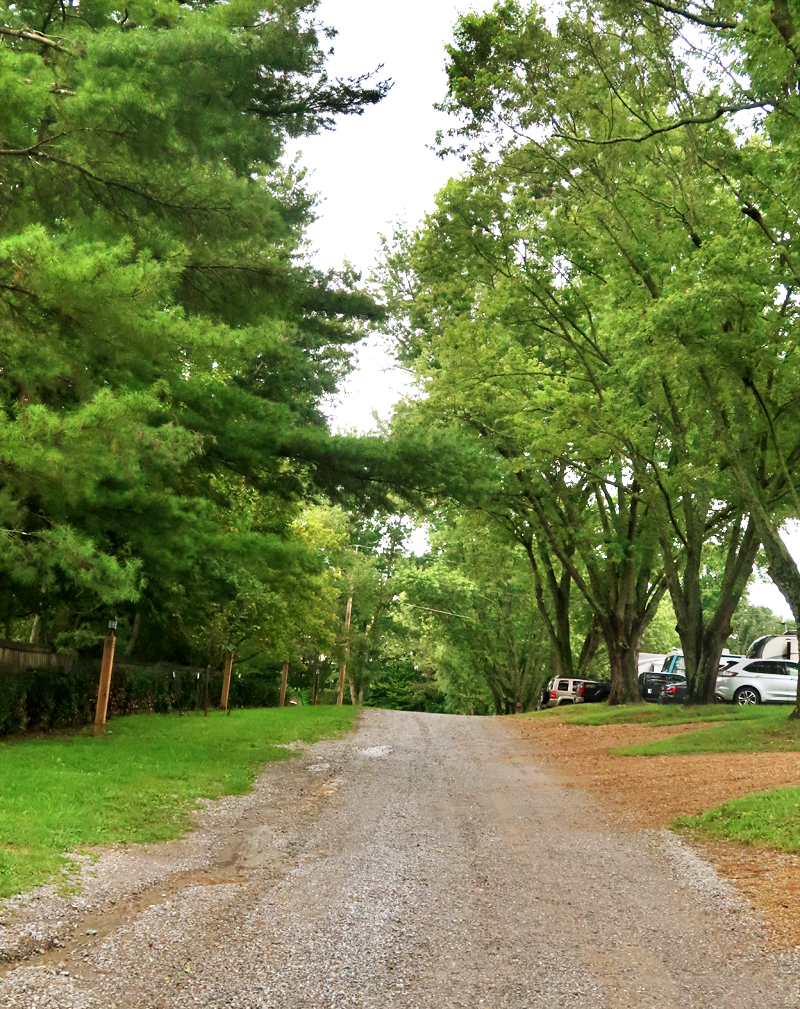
{"x":718,"y":113}
{"x":34,"y":36}
{"x":697,"y":19}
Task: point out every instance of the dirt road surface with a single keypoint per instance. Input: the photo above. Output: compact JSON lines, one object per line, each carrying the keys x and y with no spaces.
{"x":425,"y":862}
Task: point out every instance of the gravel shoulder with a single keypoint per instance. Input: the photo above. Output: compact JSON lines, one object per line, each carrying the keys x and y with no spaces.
{"x":426,"y":861}
{"x":651,"y":792}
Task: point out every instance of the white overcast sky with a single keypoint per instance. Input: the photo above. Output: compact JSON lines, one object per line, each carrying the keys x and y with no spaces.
{"x":377,"y":168}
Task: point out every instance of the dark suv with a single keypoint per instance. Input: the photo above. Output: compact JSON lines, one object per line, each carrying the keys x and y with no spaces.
{"x":593,"y":691}
{"x":663,"y":687}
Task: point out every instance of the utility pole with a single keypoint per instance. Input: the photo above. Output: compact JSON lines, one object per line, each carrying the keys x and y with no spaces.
{"x":226,"y":680}
{"x":284,"y":684}
{"x":105,"y":679}
{"x":346,"y":655}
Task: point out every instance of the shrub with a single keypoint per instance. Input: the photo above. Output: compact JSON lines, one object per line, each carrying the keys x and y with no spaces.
{"x":50,"y":698}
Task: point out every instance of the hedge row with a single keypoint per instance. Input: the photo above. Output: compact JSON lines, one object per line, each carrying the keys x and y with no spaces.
{"x":46,"y":698}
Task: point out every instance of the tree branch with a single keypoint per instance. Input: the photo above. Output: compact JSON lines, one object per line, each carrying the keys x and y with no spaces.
{"x":696,"y":18}
{"x":34,"y":36}
{"x":693,"y":121}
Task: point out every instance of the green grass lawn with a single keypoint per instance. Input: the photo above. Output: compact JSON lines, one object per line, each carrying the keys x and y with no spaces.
{"x":770,"y":819}
{"x":653,"y":714}
{"x":756,"y":728}
{"x":138,"y":783}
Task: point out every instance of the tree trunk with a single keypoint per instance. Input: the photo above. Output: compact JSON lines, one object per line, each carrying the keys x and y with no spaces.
{"x":589,"y":649}
{"x":315,"y":686}
{"x":553,"y":603}
{"x":703,"y":634}
{"x":137,"y":623}
{"x":624,"y":671}
{"x":284,"y":685}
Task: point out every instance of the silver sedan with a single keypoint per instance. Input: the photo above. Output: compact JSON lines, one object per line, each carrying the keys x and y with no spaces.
{"x":753,"y":681}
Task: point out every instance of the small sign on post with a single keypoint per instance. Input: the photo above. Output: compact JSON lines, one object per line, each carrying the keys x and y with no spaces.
{"x":105,"y":679}
{"x":226,"y":680}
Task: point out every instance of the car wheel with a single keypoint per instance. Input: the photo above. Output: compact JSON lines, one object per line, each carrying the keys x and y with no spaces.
{"x":747,"y":695}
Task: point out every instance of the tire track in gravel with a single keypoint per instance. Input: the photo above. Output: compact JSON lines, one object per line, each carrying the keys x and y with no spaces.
{"x":436,"y":865}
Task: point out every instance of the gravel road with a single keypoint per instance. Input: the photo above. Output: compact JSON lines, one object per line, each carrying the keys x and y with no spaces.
{"x":424,"y":863}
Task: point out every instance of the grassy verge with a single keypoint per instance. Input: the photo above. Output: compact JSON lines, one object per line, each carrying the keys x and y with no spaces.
{"x":769,"y":819}
{"x":759,"y":728}
{"x":138,"y":783}
{"x":652,"y":714}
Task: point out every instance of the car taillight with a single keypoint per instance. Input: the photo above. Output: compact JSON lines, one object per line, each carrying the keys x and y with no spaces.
{"x":553,"y":695}
{"x":582,"y":688}
{"x":671,"y":690}
{"x":728,"y":672}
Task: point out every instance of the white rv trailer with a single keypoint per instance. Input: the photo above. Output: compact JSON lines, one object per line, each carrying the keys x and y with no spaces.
{"x":774,"y":646}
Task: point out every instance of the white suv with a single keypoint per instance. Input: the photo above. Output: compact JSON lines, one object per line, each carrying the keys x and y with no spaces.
{"x":753,"y":681}
{"x":561,"y":690}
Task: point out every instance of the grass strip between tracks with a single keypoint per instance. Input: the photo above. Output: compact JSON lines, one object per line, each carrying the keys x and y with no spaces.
{"x":139,"y":783}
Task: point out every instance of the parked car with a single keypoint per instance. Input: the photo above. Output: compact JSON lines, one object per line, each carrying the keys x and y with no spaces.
{"x":592,"y":691}
{"x":561,"y":690}
{"x":774,"y":646}
{"x":674,"y":690}
{"x":654,"y":686}
{"x":757,"y":681}
{"x":669,"y":686}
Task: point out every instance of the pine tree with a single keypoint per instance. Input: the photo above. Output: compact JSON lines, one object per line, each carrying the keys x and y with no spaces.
{"x":164,"y":346}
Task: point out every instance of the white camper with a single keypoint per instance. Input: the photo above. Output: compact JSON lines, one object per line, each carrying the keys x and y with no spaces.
{"x":774,"y":646}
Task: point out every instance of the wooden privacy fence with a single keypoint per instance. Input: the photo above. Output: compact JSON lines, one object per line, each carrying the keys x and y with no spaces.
{"x":16,"y":655}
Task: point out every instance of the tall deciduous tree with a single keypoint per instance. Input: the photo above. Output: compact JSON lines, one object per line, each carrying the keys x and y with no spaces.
{"x":637,"y":241}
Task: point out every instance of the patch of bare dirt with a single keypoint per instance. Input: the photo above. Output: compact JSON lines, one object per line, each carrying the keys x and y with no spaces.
{"x":653,"y":791}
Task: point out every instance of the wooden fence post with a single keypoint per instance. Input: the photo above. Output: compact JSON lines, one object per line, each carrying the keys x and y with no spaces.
{"x":226,"y":680}
{"x":284,"y":684}
{"x":346,"y":656}
{"x":105,"y":679}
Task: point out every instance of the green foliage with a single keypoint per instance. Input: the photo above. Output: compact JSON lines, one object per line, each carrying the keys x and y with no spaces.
{"x":137,"y":784}
{"x":661,"y":636}
{"x":602,"y":309}
{"x":49,"y":698}
{"x":751,"y":622}
{"x":468,"y":612}
{"x":401,"y":686}
{"x":166,"y":345}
